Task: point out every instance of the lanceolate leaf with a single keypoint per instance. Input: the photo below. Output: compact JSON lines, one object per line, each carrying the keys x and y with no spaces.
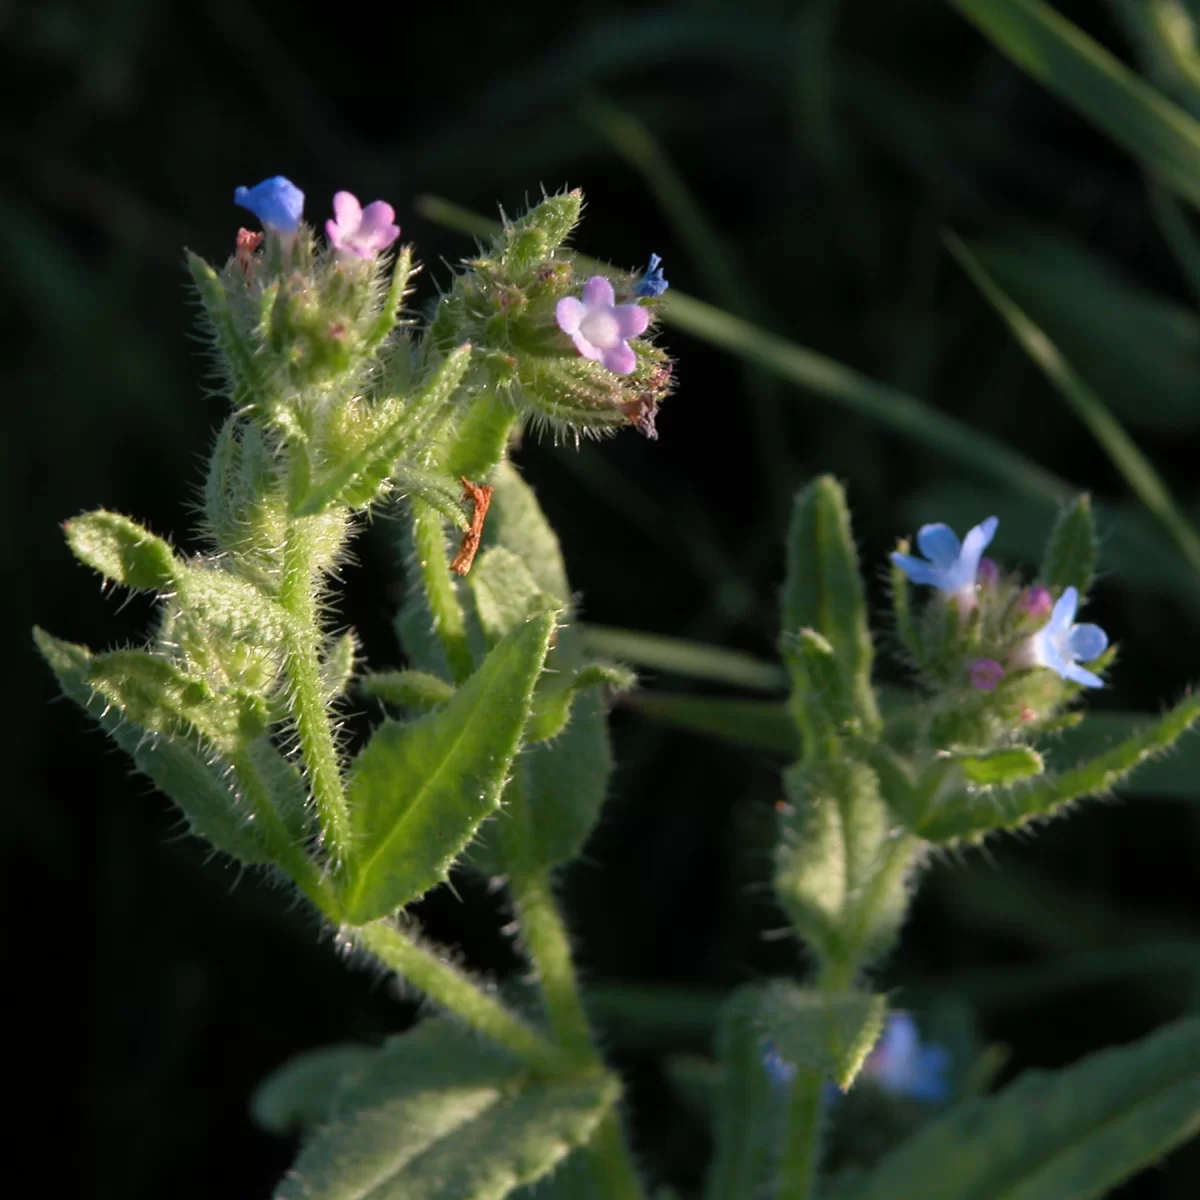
{"x":968,"y":814}
{"x":301,"y":1093}
{"x":1066,"y":1135}
{"x":439,"y":1116}
{"x":418,"y":791}
{"x":213,"y":808}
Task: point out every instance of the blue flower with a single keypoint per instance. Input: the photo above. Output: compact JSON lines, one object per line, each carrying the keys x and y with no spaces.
{"x":652,"y":282}
{"x":277,"y":202}
{"x":952,"y":566}
{"x":902,"y":1066}
{"x":1061,"y":645}
{"x":779,"y":1071}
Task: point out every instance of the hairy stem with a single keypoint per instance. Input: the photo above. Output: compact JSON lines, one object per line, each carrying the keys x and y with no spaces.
{"x":448,"y":986}
{"x":429,"y":540}
{"x":289,"y":855}
{"x":544,"y":936}
{"x":797,"y":1176}
{"x":306,"y":693}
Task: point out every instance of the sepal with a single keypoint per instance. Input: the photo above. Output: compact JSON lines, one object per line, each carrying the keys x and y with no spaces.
{"x":1071,"y":549}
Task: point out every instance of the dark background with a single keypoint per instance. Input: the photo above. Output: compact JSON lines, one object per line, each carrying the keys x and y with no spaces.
{"x":825,"y":147}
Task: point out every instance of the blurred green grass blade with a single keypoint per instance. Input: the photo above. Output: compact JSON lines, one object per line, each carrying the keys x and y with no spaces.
{"x":1080,"y":71}
{"x":1177,"y":233}
{"x":823,"y":376}
{"x":1137,"y":470}
{"x":680,"y":657}
{"x":757,"y":724}
{"x":1141,"y":351}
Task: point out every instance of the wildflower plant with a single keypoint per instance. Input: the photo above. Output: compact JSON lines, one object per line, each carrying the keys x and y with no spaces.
{"x":495,"y":752}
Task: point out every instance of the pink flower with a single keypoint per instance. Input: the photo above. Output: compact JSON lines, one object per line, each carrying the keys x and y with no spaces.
{"x":358,"y":230}
{"x":599,"y":328}
{"x":985,"y":673}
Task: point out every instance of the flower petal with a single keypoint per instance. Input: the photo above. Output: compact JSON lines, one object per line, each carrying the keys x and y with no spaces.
{"x":918,"y":570}
{"x":586,"y":348}
{"x":1076,"y":674}
{"x":1065,"y":608}
{"x":598,"y":292}
{"x":939,"y":543}
{"x":1087,"y":642}
{"x":569,"y":312}
{"x":378,"y":216}
{"x":348,"y":212}
{"x":619,"y":359}
{"x":632,"y":319}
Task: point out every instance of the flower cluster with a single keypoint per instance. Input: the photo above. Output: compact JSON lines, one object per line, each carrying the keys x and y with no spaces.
{"x":959,"y":571}
{"x":279,"y":205}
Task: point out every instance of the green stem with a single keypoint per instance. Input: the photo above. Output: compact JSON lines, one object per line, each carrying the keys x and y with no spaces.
{"x":546,"y":942}
{"x":445,"y":984}
{"x":797,"y":1178}
{"x":306,"y":693}
{"x":291,"y":857}
{"x":429,"y":541}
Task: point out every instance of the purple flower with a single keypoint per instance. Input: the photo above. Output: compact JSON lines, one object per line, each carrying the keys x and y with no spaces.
{"x":1036,"y":603}
{"x":985,"y":674}
{"x":952,"y":566}
{"x":902,"y":1066}
{"x":652,"y":282}
{"x":989,"y":573}
{"x":1061,"y":645}
{"x":601,"y":329}
{"x":277,"y":202}
{"x":362,"y":231}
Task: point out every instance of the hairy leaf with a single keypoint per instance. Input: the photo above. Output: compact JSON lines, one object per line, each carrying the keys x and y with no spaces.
{"x":439,"y":1116}
{"x":1064,"y":1135}
{"x":418,"y":791}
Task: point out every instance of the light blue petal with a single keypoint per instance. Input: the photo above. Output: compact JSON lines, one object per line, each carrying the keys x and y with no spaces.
{"x":918,"y":570}
{"x":975,"y":543}
{"x":1087,"y":642}
{"x":1076,"y":674}
{"x":1065,"y":608}
{"x":939,"y":544}
{"x":1051,"y":651}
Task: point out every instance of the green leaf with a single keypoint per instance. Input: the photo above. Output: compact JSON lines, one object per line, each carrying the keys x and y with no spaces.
{"x":121,"y":550}
{"x":1070,"y":557}
{"x":1137,"y":470}
{"x":408,"y":689}
{"x":443,"y":493}
{"x":505,"y":592}
{"x":357,"y":480}
{"x":841,"y":866}
{"x":440,"y":1116}
{"x":823,"y":591}
{"x":554,"y":700}
{"x":337,"y":665}
{"x":1081,"y":72}
{"x":1063,"y":1135}
{"x":479,"y":438}
{"x":564,"y":781}
{"x":302,"y":1093}
{"x":1000,"y":768}
{"x":756,"y":724}
{"x":829,"y":1033}
{"x":969,"y":815}
{"x":418,"y":791}
{"x":199,"y":785}
{"x":1175,"y":775}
